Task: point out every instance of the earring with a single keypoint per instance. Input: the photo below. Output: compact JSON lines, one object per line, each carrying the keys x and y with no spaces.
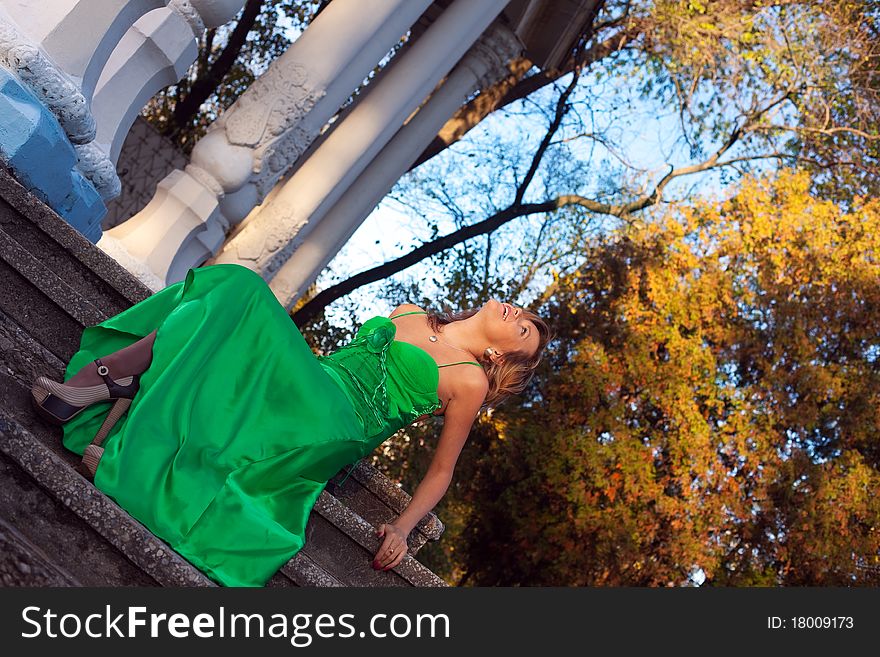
{"x":489,"y":352}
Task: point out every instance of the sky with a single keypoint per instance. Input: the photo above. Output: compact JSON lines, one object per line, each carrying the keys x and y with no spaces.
{"x":647,"y":135}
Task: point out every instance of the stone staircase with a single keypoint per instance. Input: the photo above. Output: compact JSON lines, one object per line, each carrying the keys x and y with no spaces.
{"x":56,"y":528}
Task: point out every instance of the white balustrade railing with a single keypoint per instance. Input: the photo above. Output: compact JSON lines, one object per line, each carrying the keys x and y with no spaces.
{"x":95,"y":63}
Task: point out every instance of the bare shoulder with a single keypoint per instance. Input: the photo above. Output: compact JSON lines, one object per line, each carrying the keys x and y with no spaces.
{"x":471,"y":385}
{"x":405,"y":308}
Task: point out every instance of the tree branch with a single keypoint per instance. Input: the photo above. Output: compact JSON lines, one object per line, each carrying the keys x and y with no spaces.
{"x":311,"y":309}
{"x":206,"y":84}
{"x":518,"y":209}
{"x":514,"y":87}
{"x":558,"y":115}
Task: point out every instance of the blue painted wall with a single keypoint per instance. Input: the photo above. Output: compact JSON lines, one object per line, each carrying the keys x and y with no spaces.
{"x":34,"y":146}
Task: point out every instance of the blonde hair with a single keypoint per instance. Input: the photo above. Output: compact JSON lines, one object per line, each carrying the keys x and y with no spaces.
{"x":512,"y":375}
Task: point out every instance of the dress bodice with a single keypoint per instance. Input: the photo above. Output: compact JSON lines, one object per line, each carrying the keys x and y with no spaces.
{"x":390,"y":383}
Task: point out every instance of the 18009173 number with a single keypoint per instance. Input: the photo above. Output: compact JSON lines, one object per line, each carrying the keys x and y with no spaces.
{"x":821,"y":622}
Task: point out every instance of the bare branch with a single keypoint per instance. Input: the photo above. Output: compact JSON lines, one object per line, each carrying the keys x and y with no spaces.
{"x":207,"y":83}
{"x":558,"y":115}
{"x":308,"y":311}
{"x":516,"y":86}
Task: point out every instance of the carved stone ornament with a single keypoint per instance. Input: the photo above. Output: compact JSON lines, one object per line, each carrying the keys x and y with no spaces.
{"x":272,"y":162}
{"x":267,"y":248}
{"x":495,"y":49}
{"x":266,"y":117}
{"x":275,"y":101}
{"x":97,"y":167}
{"x":48,"y":83}
{"x":209,"y":181}
{"x":190,"y":15}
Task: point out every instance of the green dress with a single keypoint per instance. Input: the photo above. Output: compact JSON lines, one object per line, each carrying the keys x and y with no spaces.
{"x":237,"y":425}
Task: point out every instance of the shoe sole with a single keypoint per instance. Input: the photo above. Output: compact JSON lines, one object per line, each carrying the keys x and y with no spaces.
{"x":40,"y":396}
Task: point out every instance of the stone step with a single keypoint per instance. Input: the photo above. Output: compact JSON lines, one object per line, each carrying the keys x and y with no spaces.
{"x":339,"y":543}
{"x":378,"y":500}
{"x":55,"y":283}
{"x":149,"y":554}
{"x":344,"y":544}
{"x":23,"y":563}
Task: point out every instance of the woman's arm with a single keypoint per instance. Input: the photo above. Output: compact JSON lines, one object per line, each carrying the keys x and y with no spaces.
{"x":457,"y":422}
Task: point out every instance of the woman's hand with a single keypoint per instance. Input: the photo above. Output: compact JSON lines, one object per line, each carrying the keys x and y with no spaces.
{"x":393,"y":548}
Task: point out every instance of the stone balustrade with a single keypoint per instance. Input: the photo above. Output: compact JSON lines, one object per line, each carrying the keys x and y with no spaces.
{"x":254,"y":142}
{"x":74,"y":74}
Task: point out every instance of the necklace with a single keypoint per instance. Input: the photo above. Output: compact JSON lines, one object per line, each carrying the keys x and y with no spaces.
{"x":434,"y":338}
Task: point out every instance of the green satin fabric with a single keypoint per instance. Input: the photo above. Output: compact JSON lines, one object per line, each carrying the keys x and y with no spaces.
{"x":237,"y":425}
{"x":389,"y":383}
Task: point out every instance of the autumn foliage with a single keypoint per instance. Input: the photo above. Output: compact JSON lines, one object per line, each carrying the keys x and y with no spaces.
{"x":713,"y":403}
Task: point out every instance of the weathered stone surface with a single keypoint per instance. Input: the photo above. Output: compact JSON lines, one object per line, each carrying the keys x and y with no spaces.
{"x":23,"y":564}
{"x":61,"y":535}
{"x":131,"y":538}
{"x":305,"y":572}
{"x":344,"y":544}
{"x":279,"y":581}
{"x":22,"y":359}
{"x":60,"y":253}
{"x":34,"y":145}
{"x":377,"y":499}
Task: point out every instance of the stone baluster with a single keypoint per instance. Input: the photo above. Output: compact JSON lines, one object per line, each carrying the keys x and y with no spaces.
{"x":483,"y":65}
{"x":51,"y":86}
{"x":266,"y":242}
{"x":78,"y":35}
{"x":60,"y":50}
{"x":153,"y":54}
{"x":47,"y":125}
{"x":252,"y":144}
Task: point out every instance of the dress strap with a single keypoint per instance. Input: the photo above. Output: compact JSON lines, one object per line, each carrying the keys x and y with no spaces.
{"x":412,"y":312}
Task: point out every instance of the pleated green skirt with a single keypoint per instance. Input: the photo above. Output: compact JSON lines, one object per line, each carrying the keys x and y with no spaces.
{"x":235,"y":430}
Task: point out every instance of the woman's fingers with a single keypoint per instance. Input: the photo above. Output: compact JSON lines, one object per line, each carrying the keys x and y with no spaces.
{"x":385,"y":559}
{"x":383,"y":554}
{"x":397,"y":559}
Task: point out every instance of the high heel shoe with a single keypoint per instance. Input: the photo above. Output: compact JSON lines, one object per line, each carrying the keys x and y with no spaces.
{"x":59,"y":403}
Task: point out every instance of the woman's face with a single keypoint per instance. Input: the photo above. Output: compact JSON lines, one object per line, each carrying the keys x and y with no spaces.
{"x":507,"y":329}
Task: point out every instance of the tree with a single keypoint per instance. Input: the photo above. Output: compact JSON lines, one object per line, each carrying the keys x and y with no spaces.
{"x":711,"y":403}
{"x":748,"y":91}
{"x":687,"y":416}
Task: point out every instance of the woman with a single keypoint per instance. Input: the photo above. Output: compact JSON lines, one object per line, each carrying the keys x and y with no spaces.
{"x":233,"y":425}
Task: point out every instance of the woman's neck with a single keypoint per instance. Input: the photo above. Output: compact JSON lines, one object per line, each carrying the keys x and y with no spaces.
{"x":464,"y":335}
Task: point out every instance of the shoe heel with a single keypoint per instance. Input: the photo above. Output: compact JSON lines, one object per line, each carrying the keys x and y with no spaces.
{"x":38,"y":396}
{"x":93,"y":452}
{"x":91,"y":456}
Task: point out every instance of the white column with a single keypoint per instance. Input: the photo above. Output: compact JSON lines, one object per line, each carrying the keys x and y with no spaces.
{"x":484,"y":64}
{"x":265,"y":243}
{"x":252,"y":144}
{"x":153,"y":54}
